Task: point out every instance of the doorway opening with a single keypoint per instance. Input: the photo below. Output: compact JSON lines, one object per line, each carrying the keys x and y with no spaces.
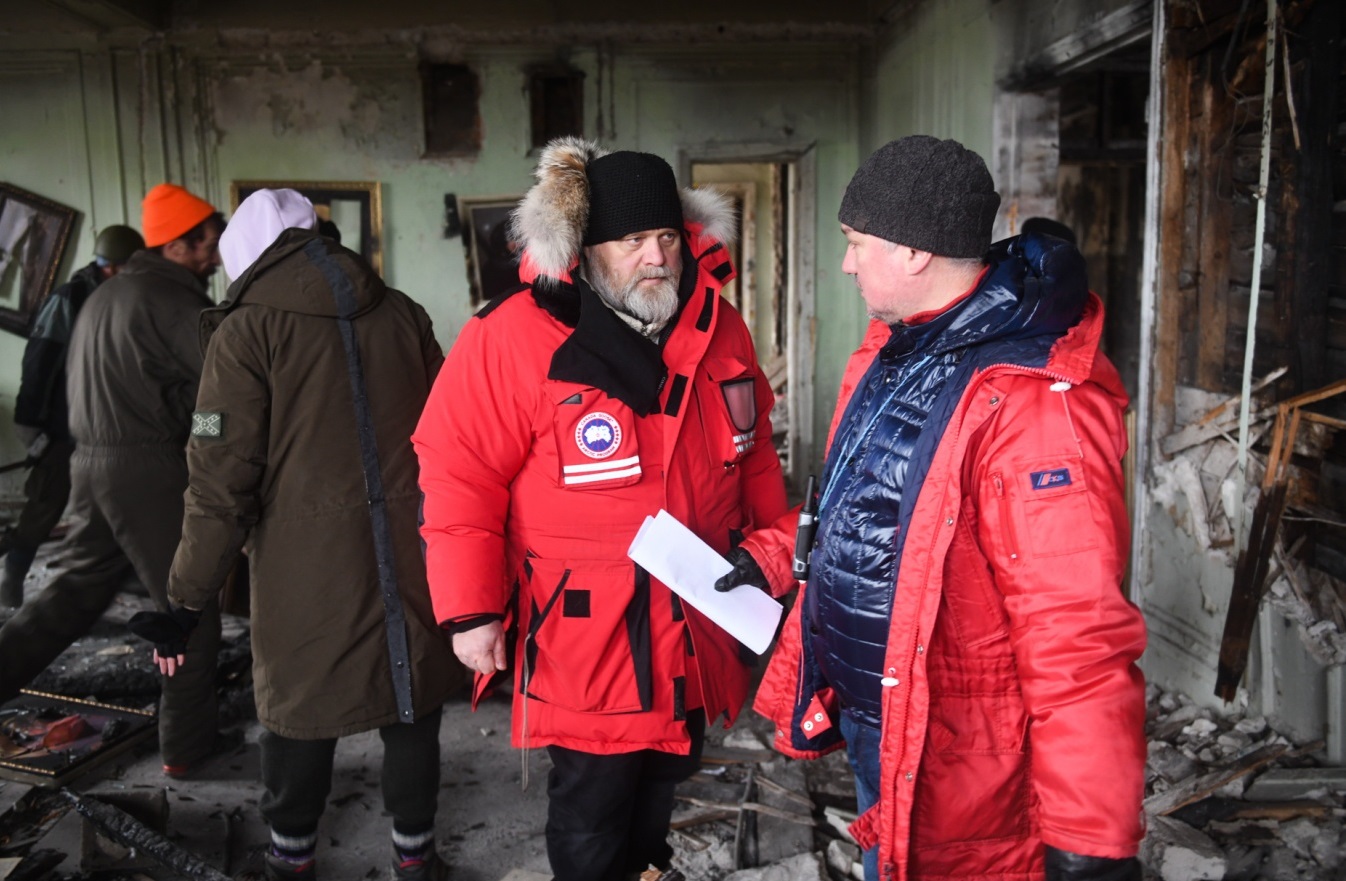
{"x":1100,"y":189}
{"x":766,"y":291}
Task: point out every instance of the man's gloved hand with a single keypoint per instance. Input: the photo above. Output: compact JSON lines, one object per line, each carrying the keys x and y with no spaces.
{"x":168,"y":631}
{"x":1062,"y":865}
{"x":745,"y":571}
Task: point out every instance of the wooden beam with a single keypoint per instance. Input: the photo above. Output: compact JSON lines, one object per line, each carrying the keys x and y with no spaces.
{"x":1219,"y":419}
{"x":1198,"y":788}
{"x":109,"y":14}
{"x":1176,"y":124}
{"x":1250,"y":573}
{"x":1215,"y":222}
{"x":1104,"y":35}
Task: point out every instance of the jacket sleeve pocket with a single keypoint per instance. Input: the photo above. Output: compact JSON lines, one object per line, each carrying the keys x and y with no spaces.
{"x":729,"y":402}
{"x":588,"y":639}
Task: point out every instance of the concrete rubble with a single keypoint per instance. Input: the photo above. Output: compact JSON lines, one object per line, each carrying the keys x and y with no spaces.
{"x":1229,"y":798}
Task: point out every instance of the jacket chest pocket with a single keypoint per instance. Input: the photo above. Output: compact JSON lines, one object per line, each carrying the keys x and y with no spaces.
{"x":596,"y":443}
{"x":588,"y":638}
{"x":728,"y":400}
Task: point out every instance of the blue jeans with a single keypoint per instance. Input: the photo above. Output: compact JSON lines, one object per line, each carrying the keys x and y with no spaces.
{"x":862,"y":748}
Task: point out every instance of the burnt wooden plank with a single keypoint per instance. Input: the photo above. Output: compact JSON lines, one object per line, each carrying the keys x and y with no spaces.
{"x":1171,"y":279}
{"x":1199,"y":787}
{"x":1245,"y":597}
{"x":1213,"y":264}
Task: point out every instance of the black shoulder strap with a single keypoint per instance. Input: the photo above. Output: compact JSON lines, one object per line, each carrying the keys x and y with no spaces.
{"x":399,"y":657}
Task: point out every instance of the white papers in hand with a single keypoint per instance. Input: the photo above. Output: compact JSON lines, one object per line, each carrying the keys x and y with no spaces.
{"x":672,"y":553}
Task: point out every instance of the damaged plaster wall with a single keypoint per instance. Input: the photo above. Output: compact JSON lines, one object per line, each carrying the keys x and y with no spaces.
{"x":359,"y":118}
{"x":68,"y":150}
{"x":330,"y":114}
{"x":206,"y":108}
{"x":37,"y":91}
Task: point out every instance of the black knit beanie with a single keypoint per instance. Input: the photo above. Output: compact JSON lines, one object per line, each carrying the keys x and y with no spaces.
{"x":924,"y":193}
{"x":630,"y":192}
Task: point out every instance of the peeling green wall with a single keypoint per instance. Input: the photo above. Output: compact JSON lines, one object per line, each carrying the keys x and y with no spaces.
{"x":109,"y":121}
{"x":934,"y":75}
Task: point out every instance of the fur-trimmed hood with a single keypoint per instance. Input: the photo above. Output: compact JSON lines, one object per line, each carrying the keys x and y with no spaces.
{"x":550,"y":221}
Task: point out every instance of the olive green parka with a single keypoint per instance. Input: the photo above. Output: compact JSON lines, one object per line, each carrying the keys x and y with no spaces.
{"x":326,"y":510}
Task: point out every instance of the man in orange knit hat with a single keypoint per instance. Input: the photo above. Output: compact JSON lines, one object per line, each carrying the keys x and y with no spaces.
{"x":132,"y":371}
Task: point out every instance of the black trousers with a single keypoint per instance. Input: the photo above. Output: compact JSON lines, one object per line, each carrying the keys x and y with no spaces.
{"x":608,"y":815}
{"x":298,"y":777}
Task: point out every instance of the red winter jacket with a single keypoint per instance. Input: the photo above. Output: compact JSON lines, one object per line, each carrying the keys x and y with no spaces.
{"x":534,"y":488}
{"x":1014,"y":713}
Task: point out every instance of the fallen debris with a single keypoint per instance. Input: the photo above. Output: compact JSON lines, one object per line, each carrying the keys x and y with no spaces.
{"x":1180,"y":853}
{"x":1196,"y":788}
{"x":1230,"y":798}
{"x":1284,"y":784}
{"x":137,"y":836}
{"x":99,"y":852}
{"x":801,"y":867}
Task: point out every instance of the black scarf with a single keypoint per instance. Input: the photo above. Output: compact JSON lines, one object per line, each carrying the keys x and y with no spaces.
{"x":607,"y":353}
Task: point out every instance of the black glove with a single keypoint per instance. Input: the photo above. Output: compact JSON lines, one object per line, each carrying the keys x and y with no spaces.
{"x":1062,"y":865}
{"x":745,"y":571}
{"x":167,"y":630}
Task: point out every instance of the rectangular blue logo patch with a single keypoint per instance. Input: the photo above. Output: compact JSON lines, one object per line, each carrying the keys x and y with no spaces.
{"x":1050,"y":479}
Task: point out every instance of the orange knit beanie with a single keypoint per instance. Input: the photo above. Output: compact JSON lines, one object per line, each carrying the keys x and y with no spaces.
{"x":169,"y":211}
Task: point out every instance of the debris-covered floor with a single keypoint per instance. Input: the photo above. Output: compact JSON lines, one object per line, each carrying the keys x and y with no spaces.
{"x":1228,"y":797}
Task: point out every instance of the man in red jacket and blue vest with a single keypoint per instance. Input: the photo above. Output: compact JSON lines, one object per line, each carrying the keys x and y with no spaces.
{"x":962,"y":630}
{"x":613,"y":383}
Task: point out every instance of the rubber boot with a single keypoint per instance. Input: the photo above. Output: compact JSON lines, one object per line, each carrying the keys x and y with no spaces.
{"x":17,"y":563}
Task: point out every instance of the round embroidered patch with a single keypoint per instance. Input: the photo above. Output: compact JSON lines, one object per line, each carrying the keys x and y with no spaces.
{"x":598,"y":435}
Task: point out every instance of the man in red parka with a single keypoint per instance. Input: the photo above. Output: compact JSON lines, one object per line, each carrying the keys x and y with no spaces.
{"x":962,"y":630}
{"x":613,"y":383}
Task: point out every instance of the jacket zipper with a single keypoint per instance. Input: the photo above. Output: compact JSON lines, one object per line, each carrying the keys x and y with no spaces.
{"x":1036,"y":371}
{"x":1006,"y":515}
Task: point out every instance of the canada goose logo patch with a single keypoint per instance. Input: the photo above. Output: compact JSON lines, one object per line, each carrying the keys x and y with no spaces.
{"x":598,"y":435}
{"x":1050,"y":479}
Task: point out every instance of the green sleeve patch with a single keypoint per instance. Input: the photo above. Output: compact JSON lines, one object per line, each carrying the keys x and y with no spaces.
{"x":209,"y":425}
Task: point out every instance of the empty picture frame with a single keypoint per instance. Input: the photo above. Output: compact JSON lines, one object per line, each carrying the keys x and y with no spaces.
{"x":34,"y":235}
{"x":354,"y":206}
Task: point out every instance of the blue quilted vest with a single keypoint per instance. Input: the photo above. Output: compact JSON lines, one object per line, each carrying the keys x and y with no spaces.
{"x":887,"y":437}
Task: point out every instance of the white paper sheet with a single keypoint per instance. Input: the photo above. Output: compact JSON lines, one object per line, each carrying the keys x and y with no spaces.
{"x":672,"y":553}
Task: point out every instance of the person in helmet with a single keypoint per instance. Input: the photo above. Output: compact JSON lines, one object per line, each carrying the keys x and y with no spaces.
{"x":40,"y":410}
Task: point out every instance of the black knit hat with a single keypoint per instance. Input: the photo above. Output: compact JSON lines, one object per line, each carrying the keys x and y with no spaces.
{"x":630,"y":192}
{"x":924,"y":193}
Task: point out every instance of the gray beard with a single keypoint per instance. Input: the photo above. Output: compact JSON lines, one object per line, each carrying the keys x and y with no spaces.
{"x":648,"y":311}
